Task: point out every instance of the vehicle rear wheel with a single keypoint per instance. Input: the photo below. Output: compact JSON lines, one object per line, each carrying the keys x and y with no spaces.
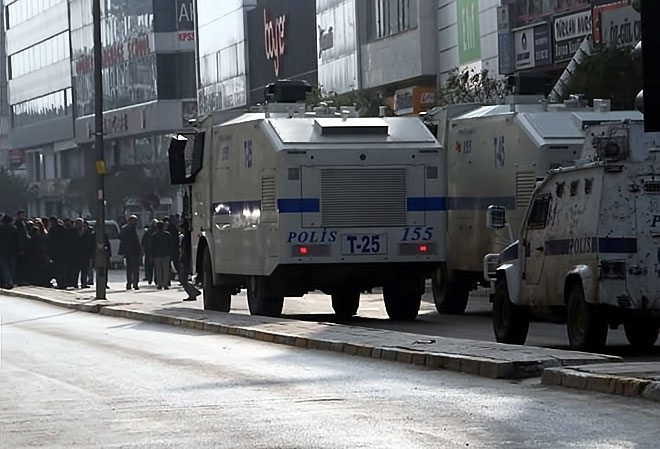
{"x":216,"y":297}
{"x":260,"y":301}
{"x":586,"y":324}
{"x":346,"y":303}
{"x":403,"y":298}
{"x":450,"y":296}
{"x":642,"y":333}
{"x":510,"y":322}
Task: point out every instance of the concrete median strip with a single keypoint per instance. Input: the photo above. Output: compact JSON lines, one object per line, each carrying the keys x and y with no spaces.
{"x":479,"y":358}
{"x":624,"y":379}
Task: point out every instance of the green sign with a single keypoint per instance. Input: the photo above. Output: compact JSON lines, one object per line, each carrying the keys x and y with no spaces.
{"x":469,"y":35}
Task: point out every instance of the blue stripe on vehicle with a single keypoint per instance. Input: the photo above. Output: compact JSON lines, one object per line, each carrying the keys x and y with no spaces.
{"x":426,"y":204}
{"x":480,"y":203}
{"x":590,"y":245}
{"x":298,"y":205}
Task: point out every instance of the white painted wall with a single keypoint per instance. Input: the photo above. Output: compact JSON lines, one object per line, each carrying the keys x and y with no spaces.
{"x":448,"y":36}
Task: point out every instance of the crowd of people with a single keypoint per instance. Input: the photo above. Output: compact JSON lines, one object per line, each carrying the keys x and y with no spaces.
{"x":39,"y":251}
{"x":60,"y":253}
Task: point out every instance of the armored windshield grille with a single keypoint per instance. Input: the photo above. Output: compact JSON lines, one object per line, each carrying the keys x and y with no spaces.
{"x":268,"y":194}
{"x":525,"y":185}
{"x":652,"y":187}
{"x":363,"y":197}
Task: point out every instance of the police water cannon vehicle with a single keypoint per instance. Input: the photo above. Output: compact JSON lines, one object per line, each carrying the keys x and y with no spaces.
{"x":495,"y":155}
{"x":285,"y":201}
{"x":587,"y":253}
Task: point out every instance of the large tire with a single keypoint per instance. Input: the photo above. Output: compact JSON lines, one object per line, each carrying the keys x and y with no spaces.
{"x":259,"y":300}
{"x":586,"y":323}
{"x":346,"y":303}
{"x":216,"y":297}
{"x":403,"y":299}
{"x":450,"y":296}
{"x":510,"y":322}
{"x":643,"y":333}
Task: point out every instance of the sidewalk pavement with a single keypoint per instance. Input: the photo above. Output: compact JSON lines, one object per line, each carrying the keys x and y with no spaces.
{"x":481,"y":358}
{"x":626,"y":379}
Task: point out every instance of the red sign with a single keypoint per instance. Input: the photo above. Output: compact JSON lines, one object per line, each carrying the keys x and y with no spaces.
{"x":186,"y":36}
{"x":274,"y":39}
{"x":116,"y":54}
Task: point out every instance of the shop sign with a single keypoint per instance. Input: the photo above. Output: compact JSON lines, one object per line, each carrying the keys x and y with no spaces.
{"x":569,"y":32}
{"x":621,"y":27}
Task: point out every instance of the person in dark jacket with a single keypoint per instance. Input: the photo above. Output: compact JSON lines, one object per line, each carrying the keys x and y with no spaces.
{"x":148,"y":256}
{"x":56,"y":246}
{"x":83,"y":249}
{"x":185,"y":262}
{"x":129,"y":247}
{"x":38,"y":272}
{"x":71,"y":253}
{"x":108,"y":254}
{"x":9,"y":249}
{"x":22,"y":229}
{"x":161,"y":247}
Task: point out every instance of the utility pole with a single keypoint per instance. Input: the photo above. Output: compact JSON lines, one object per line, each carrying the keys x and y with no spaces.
{"x":101,"y":259}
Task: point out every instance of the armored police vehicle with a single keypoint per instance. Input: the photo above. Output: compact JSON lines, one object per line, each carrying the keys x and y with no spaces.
{"x":286,"y":201}
{"x":495,"y":155}
{"x":588,"y":251}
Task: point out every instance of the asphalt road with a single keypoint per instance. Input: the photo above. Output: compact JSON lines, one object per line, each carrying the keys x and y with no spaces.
{"x":71,"y":379}
{"x":475,"y":324}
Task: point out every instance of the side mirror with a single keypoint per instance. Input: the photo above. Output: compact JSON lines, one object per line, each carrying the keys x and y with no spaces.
{"x":496,"y":217}
{"x":177,"y":159}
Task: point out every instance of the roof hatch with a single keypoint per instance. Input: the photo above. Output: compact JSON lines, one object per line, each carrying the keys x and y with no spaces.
{"x":355,"y":126}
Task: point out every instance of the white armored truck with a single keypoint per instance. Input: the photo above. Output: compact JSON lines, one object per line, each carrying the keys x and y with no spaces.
{"x":495,"y":155}
{"x":284,"y":202}
{"x":589,"y":246}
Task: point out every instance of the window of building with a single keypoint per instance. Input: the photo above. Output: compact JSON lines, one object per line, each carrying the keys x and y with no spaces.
{"x":43,"y":108}
{"x":43,"y":54}
{"x":390,"y":17}
{"x":23,"y":10}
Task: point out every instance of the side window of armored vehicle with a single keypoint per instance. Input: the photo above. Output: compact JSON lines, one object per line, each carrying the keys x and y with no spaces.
{"x":539,"y":214}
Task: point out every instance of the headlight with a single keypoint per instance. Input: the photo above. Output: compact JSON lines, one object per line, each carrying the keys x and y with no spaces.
{"x":612,"y":269}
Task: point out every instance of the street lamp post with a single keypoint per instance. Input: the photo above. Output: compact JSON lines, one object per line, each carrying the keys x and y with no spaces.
{"x":101,"y":259}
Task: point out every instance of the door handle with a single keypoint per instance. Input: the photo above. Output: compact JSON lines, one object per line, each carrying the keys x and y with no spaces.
{"x":540,"y":248}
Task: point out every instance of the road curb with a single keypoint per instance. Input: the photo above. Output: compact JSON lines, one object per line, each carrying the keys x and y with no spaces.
{"x":494,"y":368}
{"x":90,"y":306}
{"x":601,"y":383}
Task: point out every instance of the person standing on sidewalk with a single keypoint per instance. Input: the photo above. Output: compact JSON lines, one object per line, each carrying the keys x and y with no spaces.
{"x":9,"y":248}
{"x":147,"y":248}
{"x":129,"y":247}
{"x":56,"y":246}
{"x":161,"y":247}
{"x":20,"y":272}
{"x":185,"y":262}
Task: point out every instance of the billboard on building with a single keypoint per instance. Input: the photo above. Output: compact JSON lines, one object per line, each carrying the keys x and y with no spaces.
{"x":282,"y":38}
{"x":532,"y":47}
{"x":531,"y":11}
{"x":414,"y":100}
{"x":337,"y":45}
{"x":569,"y":32}
{"x":469,"y":33}
{"x":620,"y":27}
{"x":598,"y":7}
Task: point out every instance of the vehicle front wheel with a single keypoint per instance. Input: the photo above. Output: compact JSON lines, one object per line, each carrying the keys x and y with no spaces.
{"x":642,"y":333}
{"x":450,"y":296}
{"x":510,"y":322}
{"x":403,"y":299}
{"x":346,"y":303}
{"x":216,"y":297}
{"x":260,"y":300}
{"x":586,"y":323}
